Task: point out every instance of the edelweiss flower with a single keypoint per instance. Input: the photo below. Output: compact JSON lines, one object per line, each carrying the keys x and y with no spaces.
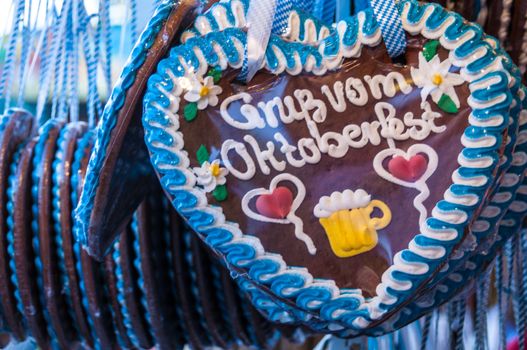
{"x":211,"y":175}
{"x":204,"y":94}
{"x":434,"y":78}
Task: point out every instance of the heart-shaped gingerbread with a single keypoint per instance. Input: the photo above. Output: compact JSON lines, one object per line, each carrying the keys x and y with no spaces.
{"x":385,"y":153}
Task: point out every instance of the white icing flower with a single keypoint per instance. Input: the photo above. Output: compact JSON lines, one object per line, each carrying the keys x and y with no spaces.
{"x":434,"y":78}
{"x":204,"y":94}
{"x":211,"y":175}
{"x":348,"y":199}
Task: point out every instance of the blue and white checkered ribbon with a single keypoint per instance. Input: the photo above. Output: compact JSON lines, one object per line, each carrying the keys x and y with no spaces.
{"x":265,"y":17}
{"x":391,"y":26}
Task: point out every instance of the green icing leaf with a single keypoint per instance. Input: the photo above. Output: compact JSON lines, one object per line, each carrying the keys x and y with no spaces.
{"x":430,"y":49}
{"x":446,"y":104}
{"x":220,"y":193}
{"x":190,"y":111}
{"x":215,"y":73}
{"x":202,"y":154}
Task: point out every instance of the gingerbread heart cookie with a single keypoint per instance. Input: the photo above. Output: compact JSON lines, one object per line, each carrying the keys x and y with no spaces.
{"x":336,"y":179}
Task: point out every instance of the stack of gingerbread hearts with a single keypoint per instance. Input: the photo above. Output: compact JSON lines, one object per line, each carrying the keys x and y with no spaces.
{"x":349,"y":191}
{"x":158,"y":286}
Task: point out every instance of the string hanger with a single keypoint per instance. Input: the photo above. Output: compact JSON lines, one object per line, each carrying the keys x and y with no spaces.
{"x":55,"y":43}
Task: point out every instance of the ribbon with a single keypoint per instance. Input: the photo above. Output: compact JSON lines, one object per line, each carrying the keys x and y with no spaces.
{"x":260,"y":19}
{"x":391,"y":26}
{"x":265,"y":17}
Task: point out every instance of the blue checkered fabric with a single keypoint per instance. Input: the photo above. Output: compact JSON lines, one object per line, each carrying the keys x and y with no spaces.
{"x":283,"y":9}
{"x":304,"y":5}
{"x":391,"y":26}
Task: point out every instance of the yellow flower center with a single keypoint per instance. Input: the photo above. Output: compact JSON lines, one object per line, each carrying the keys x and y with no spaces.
{"x":204,"y":91}
{"x":215,"y":169}
{"x":437,"y":79}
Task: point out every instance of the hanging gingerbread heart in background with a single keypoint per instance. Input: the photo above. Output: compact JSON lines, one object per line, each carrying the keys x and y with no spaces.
{"x":408,"y":122}
{"x":105,"y":205}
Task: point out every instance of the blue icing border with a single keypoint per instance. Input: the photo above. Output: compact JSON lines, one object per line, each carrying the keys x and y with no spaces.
{"x":35,"y":176}
{"x":10,"y":227}
{"x":83,"y":145}
{"x":218,"y":292}
{"x":503,"y":169}
{"x":55,"y":191}
{"x":346,"y":307}
{"x":456,"y":278}
{"x":189,"y":258}
{"x":4,"y":119}
{"x":166,"y":241}
{"x":249,"y":326}
{"x":136,"y":264}
{"x":116,"y":256}
{"x":109,"y":118}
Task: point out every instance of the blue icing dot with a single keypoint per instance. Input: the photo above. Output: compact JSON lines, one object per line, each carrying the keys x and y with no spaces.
{"x":153,"y":115}
{"x":260,"y":268}
{"x":332,"y":45}
{"x":161,"y":136}
{"x":437,"y":17}
{"x":462,"y":190}
{"x":342,"y":303}
{"x":493,"y":90}
{"x":208,"y":51}
{"x":238,"y":254}
{"x":350,"y":35}
{"x":217,"y":237}
{"x":182,"y":199}
{"x":456,"y":29}
{"x":212,"y":21}
{"x":474,"y":153}
{"x":370,"y":25}
{"x":287,"y":280}
{"x":448,"y":206}
{"x":483,"y":62}
{"x":197,"y":219}
{"x":163,"y":158}
{"x":471,"y":172}
{"x":307,"y":295}
{"x":437,"y":224}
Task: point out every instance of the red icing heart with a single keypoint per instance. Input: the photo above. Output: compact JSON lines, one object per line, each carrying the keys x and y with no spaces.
{"x":408,"y":170}
{"x":276,"y":205}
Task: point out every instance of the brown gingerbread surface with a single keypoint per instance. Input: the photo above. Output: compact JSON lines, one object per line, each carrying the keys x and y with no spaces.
{"x":353,"y":171}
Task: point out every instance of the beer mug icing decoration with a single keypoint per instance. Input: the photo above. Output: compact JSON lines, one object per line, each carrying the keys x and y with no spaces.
{"x":347,"y":218}
{"x":337,"y":180}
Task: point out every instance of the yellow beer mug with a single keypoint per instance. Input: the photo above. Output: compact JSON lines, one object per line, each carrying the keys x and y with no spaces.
{"x":348,"y":222}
